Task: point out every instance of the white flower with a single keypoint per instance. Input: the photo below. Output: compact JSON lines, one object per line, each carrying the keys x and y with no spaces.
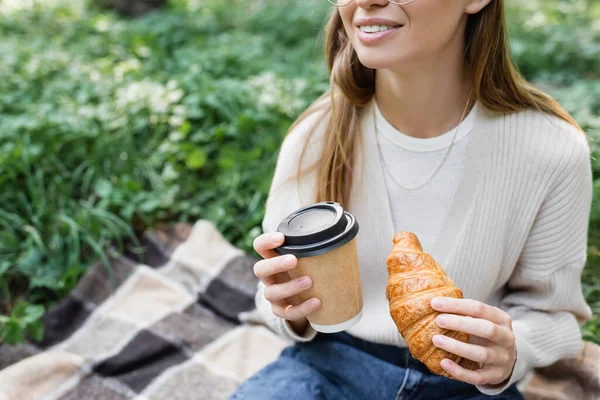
{"x":10,"y":6}
{"x":102,"y":25}
{"x":132,"y":64}
{"x":172,"y":85}
{"x":143,"y":51}
{"x":95,"y":76}
{"x":175,"y":95}
{"x":274,"y":91}
{"x":179,"y":110}
{"x":176,"y":121}
{"x":176,"y":136}
{"x":169,"y":173}
{"x":86,"y":111}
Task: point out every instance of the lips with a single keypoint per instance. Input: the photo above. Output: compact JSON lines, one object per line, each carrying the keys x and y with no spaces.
{"x":374,"y":29}
{"x":377,"y":28}
{"x":373,"y":21}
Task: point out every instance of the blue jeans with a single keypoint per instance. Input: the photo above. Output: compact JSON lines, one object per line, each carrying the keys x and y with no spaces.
{"x":340,"y":366}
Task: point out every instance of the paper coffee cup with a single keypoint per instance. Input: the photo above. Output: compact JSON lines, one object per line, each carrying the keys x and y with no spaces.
{"x":323,"y":238}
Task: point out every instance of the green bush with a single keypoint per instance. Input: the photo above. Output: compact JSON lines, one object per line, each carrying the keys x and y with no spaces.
{"x":109,"y":126}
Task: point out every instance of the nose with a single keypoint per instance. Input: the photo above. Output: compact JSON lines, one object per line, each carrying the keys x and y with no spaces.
{"x":370,"y":3}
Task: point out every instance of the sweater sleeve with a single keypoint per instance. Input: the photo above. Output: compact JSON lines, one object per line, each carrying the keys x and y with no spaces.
{"x":286,"y":195}
{"x":544,"y":295}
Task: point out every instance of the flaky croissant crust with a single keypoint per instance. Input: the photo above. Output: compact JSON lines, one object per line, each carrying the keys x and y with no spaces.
{"x":414,"y":278}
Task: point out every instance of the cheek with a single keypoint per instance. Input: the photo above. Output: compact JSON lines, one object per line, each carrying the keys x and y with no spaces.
{"x":346,"y":13}
{"x":432,"y":24}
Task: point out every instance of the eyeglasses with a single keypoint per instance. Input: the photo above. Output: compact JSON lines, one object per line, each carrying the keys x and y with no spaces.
{"x":342,"y":3}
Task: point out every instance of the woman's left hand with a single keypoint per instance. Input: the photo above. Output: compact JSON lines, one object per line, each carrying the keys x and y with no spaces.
{"x":497,"y":351}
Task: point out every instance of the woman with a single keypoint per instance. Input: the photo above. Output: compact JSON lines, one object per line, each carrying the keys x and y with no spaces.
{"x":429,"y":128}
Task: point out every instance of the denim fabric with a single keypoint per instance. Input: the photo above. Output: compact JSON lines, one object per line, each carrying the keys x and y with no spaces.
{"x":340,"y":366}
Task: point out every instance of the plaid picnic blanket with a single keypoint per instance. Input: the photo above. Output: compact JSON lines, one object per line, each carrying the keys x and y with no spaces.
{"x":182,"y":325}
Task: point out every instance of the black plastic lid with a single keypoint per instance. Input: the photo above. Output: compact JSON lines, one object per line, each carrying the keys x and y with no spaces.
{"x":317,"y":229}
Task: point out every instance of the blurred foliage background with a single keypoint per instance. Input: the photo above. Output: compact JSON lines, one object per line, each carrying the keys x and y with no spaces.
{"x":110,"y":125}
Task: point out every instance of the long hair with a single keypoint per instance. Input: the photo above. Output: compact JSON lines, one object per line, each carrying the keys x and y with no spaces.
{"x":497,"y":85}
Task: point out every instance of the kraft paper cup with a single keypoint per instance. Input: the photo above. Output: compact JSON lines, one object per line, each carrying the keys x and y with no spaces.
{"x":323,"y":238}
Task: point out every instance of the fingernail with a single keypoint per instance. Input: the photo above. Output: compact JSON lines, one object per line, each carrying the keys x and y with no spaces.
{"x":288,"y":261}
{"x":313,"y":304}
{"x":439,"y":340}
{"x":445,"y":363}
{"x":441,"y":320}
{"x":303,"y":282}
{"x":276,"y":237}
{"x":437,"y":302}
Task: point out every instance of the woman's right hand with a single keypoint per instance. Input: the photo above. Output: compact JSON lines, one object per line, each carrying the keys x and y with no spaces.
{"x":280,"y":288}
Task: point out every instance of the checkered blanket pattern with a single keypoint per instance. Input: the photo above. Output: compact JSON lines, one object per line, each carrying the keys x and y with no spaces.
{"x":181,"y":324}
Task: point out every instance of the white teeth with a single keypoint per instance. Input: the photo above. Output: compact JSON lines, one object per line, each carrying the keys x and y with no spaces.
{"x":375,"y":28}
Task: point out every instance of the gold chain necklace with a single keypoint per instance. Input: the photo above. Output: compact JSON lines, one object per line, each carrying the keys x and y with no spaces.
{"x":443,"y":160}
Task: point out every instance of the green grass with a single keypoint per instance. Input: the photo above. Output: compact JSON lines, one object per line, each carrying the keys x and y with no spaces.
{"x":110,"y":126}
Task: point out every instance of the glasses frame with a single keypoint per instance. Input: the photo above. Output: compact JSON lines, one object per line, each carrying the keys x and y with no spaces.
{"x":398,"y":3}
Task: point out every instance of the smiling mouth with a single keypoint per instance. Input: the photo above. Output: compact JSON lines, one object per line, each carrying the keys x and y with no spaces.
{"x":377,"y":28}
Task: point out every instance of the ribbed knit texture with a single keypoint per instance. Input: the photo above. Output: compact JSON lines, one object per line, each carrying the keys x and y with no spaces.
{"x":514,"y":235}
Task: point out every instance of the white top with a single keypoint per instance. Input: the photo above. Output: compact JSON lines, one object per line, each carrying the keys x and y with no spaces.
{"x":412,"y":161}
{"x":514,"y":235}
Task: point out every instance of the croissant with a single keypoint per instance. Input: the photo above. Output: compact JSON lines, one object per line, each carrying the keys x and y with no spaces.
{"x":414,"y":278}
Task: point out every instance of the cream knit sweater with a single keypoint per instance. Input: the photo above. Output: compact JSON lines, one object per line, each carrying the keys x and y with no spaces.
{"x":515,"y":235}
{"x":408,"y":161}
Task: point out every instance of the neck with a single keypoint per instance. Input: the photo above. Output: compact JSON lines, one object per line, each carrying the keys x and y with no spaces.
{"x":426,"y":101}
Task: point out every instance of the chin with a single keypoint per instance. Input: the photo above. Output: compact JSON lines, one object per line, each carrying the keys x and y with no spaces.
{"x":377,"y":59}
{"x":388,"y":57}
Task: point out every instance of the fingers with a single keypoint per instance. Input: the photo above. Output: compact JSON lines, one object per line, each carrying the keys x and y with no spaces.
{"x":294,"y":313}
{"x":485,"y":355}
{"x":271,"y":266}
{"x":265,"y":243}
{"x":481,"y":321}
{"x":472,"y":308}
{"x":489,"y":375}
{"x":501,"y":335}
{"x":277,"y":292}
